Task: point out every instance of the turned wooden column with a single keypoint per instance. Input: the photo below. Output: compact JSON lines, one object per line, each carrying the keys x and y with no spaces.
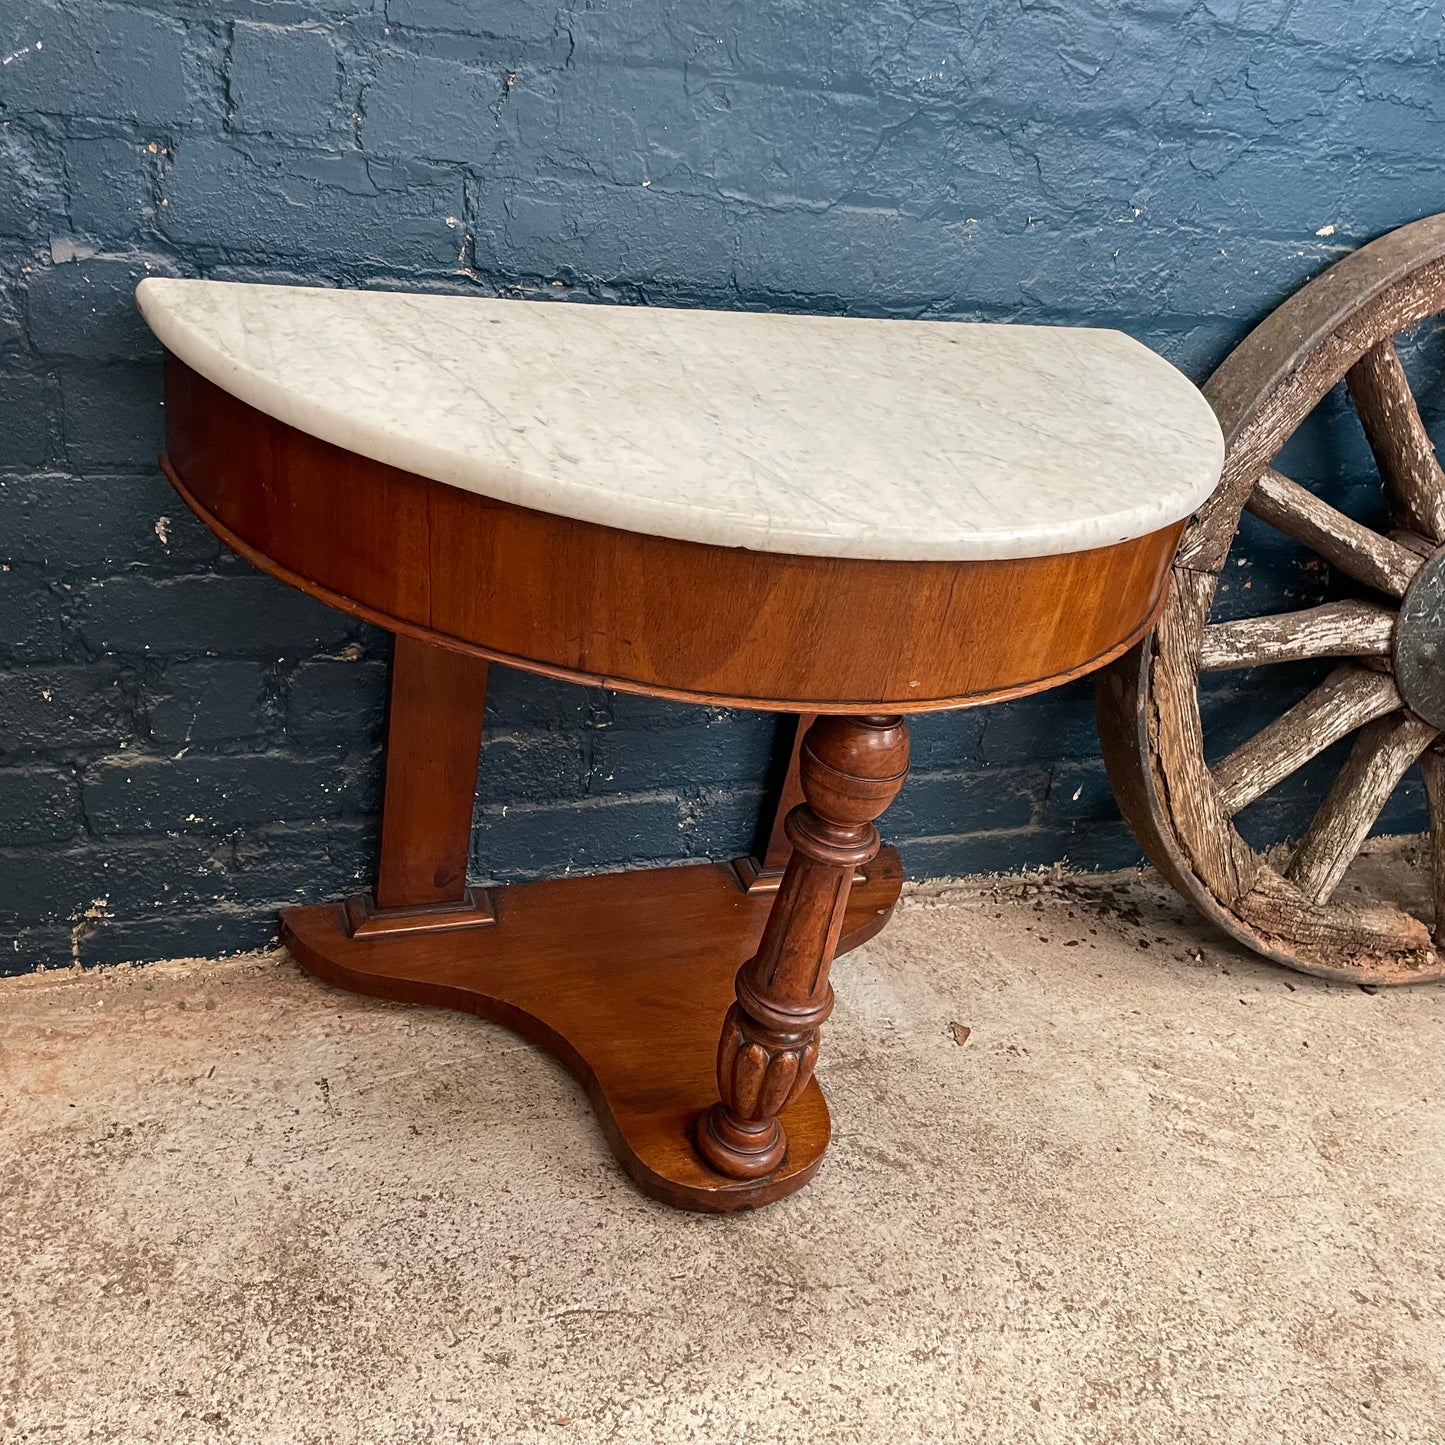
{"x":851,"y":768}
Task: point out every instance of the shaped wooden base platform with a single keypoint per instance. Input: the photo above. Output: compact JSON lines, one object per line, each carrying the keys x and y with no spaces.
{"x":625,"y":978}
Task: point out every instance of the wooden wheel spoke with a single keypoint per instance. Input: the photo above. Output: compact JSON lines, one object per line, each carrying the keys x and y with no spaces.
{"x":1344,"y":543}
{"x":1336,"y":629}
{"x":1412,"y":474}
{"x":1347,"y":699}
{"x":1382,"y":753}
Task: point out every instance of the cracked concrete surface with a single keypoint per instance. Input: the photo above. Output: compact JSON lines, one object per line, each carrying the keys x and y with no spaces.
{"x":1159,"y":1192}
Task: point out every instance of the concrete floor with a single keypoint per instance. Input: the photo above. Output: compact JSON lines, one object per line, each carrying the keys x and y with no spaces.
{"x":1097,"y":1177}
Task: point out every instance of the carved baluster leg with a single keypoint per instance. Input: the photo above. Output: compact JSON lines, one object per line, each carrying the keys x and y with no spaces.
{"x":851,"y":768}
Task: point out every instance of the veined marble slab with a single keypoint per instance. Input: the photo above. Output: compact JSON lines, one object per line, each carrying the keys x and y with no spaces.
{"x":818,"y":435}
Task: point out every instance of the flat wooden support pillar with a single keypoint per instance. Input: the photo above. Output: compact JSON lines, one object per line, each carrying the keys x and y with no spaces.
{"x":433,"y":739}
{"x":625,"y":978}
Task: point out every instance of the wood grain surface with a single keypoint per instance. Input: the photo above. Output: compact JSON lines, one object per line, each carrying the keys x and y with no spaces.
{"x":623,"y":977}
{"x":641,"y":613}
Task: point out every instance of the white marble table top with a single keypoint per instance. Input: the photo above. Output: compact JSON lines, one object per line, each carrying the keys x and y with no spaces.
{"x":817,"y":435}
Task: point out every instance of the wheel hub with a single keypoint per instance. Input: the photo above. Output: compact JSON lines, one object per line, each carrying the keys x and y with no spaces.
{"x":1420,"y":642}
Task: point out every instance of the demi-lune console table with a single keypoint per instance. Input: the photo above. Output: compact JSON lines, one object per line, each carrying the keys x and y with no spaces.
{"x":848,"y":520}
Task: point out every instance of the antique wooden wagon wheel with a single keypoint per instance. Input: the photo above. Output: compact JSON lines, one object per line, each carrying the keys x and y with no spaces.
{"x":1388,"y":687}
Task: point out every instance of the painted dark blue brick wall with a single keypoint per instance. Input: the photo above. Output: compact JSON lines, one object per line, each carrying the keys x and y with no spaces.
{"x":185,"y":745}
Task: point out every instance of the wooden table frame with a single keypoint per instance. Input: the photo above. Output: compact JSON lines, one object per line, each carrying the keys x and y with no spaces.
{"x":688,"y":1000}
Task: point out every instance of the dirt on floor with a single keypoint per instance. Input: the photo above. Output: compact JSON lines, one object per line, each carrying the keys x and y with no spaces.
{"x":1097,"y":1176}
